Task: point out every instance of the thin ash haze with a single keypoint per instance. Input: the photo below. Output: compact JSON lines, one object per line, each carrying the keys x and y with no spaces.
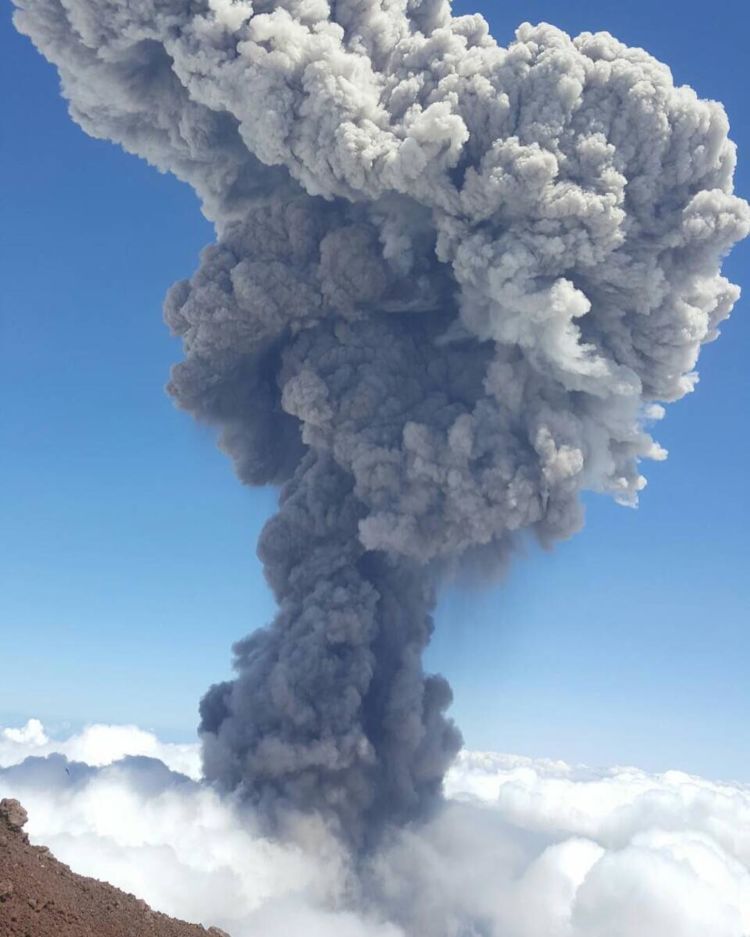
{"x":452,"y":284}
{"x":524,"y":848}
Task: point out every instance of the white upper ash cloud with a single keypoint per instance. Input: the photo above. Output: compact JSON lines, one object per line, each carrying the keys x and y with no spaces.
{"x":452,"y":285}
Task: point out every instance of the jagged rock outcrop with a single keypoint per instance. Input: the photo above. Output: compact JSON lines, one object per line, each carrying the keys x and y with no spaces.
{"x":42,"y":897}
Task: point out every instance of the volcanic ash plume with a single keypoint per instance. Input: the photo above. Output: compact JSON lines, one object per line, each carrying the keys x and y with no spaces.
{"x":452,"y":282}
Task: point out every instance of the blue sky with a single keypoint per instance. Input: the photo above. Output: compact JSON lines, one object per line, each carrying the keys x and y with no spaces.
{"x":127,"y":554}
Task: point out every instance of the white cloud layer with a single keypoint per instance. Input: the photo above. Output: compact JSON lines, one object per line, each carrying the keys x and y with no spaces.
{"x":97,"y":745}
{"x":524,"y":848}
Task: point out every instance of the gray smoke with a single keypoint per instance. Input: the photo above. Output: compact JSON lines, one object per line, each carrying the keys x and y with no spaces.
{"x":452,"y":284}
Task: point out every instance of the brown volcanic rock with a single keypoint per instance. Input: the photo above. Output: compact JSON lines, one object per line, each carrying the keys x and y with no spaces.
{"x":41,"y":897}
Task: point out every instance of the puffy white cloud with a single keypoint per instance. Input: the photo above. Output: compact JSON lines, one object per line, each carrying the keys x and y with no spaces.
{"x":523,"y":848}
{"x":97,"y":745}
{"x":611,"y":806}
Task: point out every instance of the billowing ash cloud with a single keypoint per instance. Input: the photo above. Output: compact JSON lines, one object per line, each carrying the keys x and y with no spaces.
{"x":452,"y":282}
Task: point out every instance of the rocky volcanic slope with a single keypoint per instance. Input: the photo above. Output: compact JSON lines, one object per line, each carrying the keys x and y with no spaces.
{"x":41,"y":897}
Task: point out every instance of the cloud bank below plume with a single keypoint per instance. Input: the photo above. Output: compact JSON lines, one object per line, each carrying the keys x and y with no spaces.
{"x":452,"y":285}
{"x":97,"y":745}
{"x":523,"y":848}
